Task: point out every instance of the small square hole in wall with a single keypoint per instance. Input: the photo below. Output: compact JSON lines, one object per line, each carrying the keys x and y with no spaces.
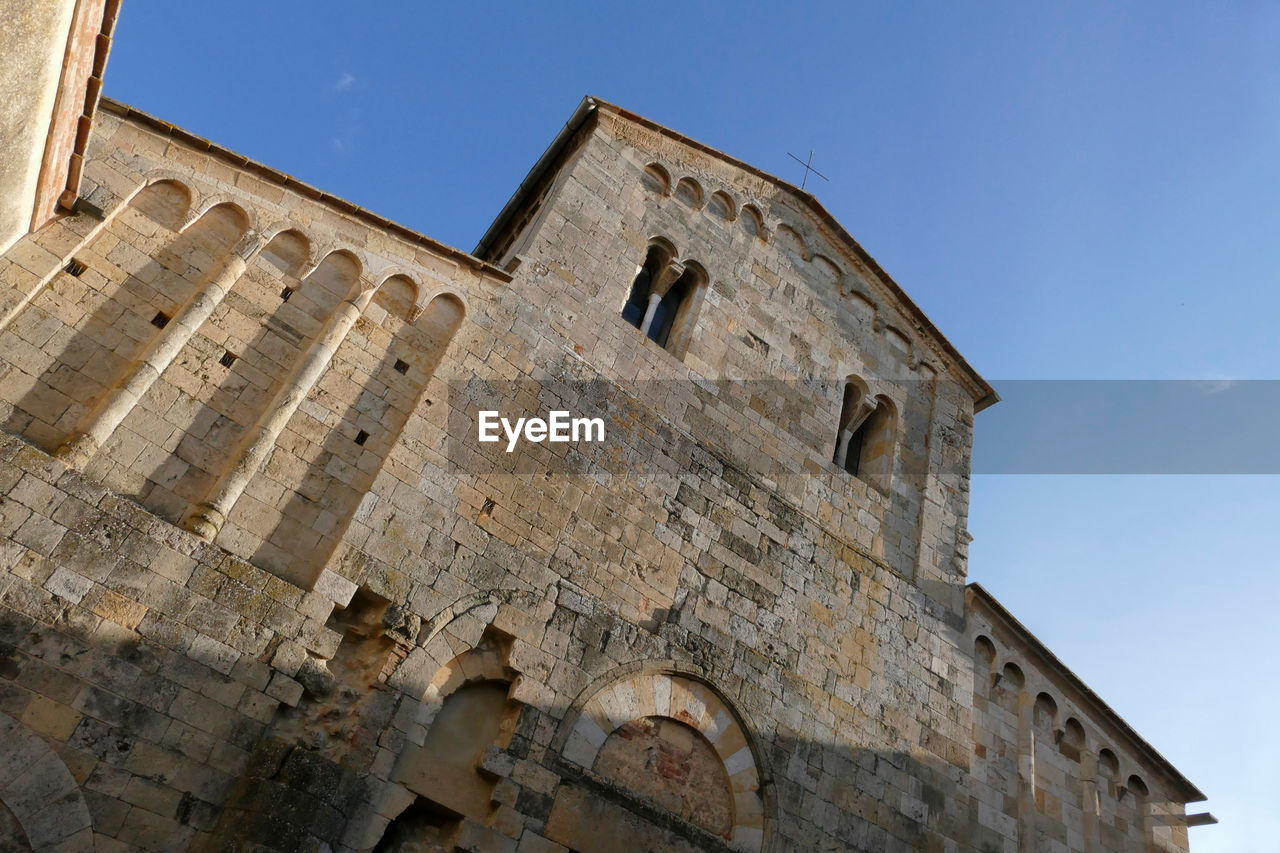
{"x":285,"y":294}
{"x":228,"y":358}
{"x":401,"y":366}
{"x":362,"y":437}
{"x":75,"y":268}
{"x":160,"y":320}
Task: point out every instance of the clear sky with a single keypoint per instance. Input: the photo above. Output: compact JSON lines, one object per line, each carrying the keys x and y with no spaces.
{"x":1070,"y":190}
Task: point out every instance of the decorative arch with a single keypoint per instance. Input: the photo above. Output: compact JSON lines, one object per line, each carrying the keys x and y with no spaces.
{"x":752,"y":221}
{"x":828,"y":272}
{"x":231,"y":207}
{"x":165,"y":201}
{"x":657,"y":179}
{"x":1072,"y":738}
{"x":791,"y":243}
{"x":1108,"y":765}
{"x":722,"y":206}
{"x":695,"y":704}
{"x":426,"y":297}
{"x":52,"y":814}
{"x":1045,"y":711}
{"x":288,"y":250}
{"x":1137,"y":786}
{"x":284,"y":226}
{"x":337,"y":270}
{"x":984,"y":651}
{"x":689,"y":191}
{"x":398,"y":294}
{"x":863,"y":308}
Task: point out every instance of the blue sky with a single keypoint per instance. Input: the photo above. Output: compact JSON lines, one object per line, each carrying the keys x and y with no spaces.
{"x":1070,"y":190}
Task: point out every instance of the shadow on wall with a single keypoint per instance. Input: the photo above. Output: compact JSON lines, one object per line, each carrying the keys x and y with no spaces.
{"x":231,"y":368}
{"x":365,"y":398}
{"x":130,"y":298}
{"x":658,"y":779}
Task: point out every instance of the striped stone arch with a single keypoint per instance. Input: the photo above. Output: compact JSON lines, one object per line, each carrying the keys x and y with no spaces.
{"x":40,"y":792}
{"x":697,"y":706}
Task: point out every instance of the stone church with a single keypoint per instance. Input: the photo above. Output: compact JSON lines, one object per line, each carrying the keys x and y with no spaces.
{"x":262,"y":587}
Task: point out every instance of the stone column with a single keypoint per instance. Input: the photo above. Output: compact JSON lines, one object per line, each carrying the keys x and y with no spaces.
{"x":1026,"y":773}
{"x":1089,"y":799}
{"x":654,"y":299}
{"x":658,"y":288}
{"x":260,"y":439}
{"x":99,"y":423}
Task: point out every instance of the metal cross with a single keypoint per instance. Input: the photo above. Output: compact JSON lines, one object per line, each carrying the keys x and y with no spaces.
{"x":807,"y":168}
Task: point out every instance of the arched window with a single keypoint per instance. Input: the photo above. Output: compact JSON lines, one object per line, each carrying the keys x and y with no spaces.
{"x":637,"y":305}
{"x":865,"y":437}
{"x":664,"y":297}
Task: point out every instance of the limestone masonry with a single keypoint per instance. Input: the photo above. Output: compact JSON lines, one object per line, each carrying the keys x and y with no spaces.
{"x":262,"y":588}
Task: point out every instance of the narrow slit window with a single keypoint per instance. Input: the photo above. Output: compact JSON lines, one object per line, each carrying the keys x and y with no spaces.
{"x":362,"y":437}
{"x":285,"y":294}
{"x":228,"y":358}
{"x":75,"y":268}
{"x":401,"y":366}
{"x":160,"y":320}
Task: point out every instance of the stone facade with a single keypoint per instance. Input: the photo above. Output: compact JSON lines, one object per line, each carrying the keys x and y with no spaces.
{"x":263,"y":589}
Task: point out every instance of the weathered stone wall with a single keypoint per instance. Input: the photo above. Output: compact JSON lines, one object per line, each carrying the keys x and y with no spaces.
{"x":1052,"y":770}
{"x":258,"y":572}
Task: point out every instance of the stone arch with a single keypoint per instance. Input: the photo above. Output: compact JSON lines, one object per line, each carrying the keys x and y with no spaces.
{"x":689,"y":191}
{"x":1045,"y":712}
{"x":39,"y":791}
{"x":274,"y":230}
{"x":1006,"y":685}
{"x":899,"y":342}
{"x":1137,"y":786}
{"x":210,"y":202}
{"x":791,"y":243}
{"x":1072,"y":742}
{"x":426,"y":297}
{"x":288,"y":249}
{"x":441,"y":777}
{"x":166,"y":201}
{"x":864,"y":310}
{"x":1108,"y":765}
{"x":698,"y":706}
{"x":828,"y":272}
{"x":752,"y":221}
{"x":657,"y":179}
{"x":337,"y":270}
{"x":984,"y":651}
{"x":722,"y":206}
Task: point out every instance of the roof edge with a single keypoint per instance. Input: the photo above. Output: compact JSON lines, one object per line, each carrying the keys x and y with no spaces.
{"x":528,"y":186}
{"x":292,"y":184}
{"x":986,"y":395}
{"x":1095,"y":701}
